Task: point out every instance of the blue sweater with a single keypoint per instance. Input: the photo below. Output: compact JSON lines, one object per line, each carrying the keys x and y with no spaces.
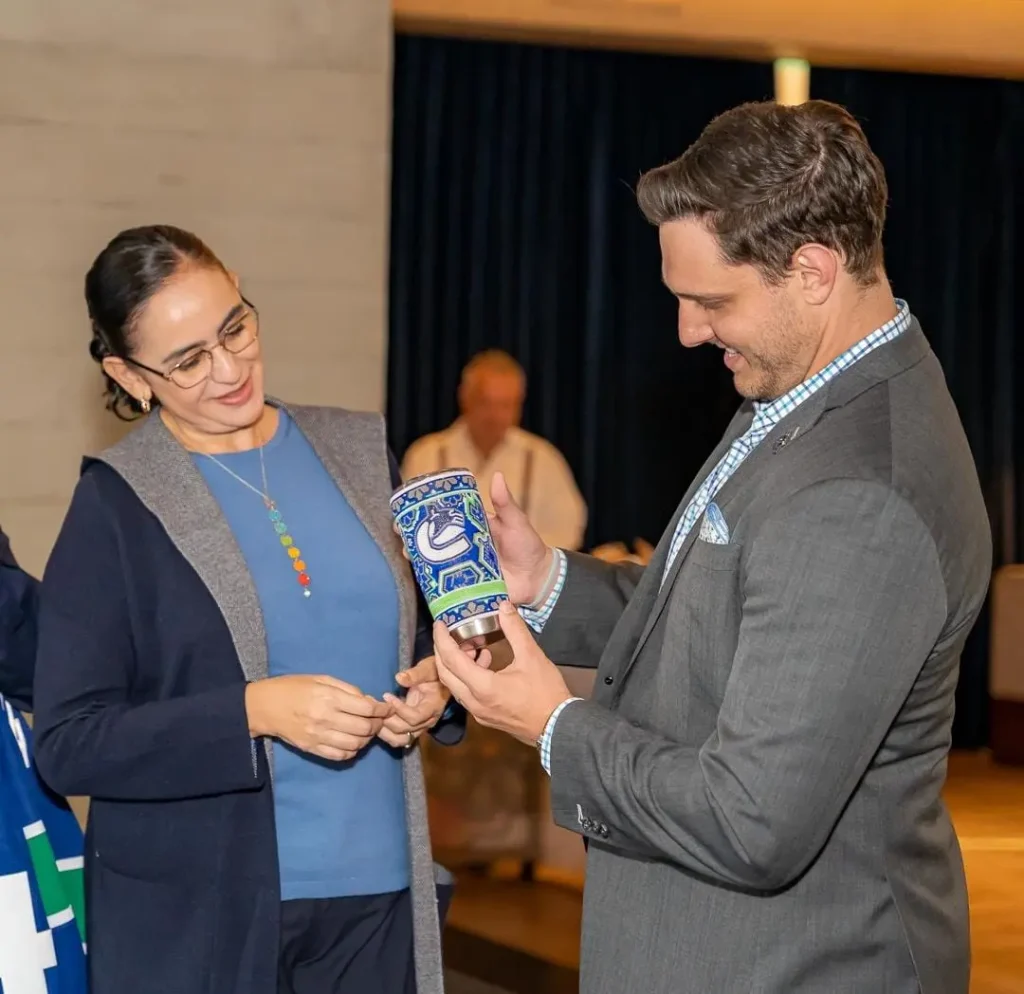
{"x":340,"y":826}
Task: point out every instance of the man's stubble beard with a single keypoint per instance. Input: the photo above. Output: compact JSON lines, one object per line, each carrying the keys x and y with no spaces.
{"x":775,"y":371}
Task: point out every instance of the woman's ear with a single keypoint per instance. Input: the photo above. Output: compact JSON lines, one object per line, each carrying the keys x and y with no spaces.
{"x":127,"y":378}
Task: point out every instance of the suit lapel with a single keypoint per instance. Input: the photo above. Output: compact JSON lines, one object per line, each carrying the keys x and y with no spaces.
{"x":788,"y":431}
{"x":879,"y":365}
{"x":648,"y":600}
{"x":790,"y":427}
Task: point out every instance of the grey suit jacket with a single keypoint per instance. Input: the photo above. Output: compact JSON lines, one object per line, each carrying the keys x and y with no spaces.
{"x":760,"y":771}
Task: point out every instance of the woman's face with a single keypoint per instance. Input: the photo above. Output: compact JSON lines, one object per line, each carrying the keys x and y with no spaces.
{"x":199,"y":309}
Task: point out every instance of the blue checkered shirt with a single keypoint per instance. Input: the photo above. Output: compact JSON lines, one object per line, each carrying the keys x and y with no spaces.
{"x":766,"y":417}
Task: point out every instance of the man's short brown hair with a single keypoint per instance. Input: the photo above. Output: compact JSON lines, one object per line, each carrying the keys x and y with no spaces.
{"x":766,"y":178}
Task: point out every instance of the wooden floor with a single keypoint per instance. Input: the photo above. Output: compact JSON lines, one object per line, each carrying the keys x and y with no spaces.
{"x":987,"y":803}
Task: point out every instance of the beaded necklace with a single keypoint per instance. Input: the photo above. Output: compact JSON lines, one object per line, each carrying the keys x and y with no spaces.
{"x":287,"y":542}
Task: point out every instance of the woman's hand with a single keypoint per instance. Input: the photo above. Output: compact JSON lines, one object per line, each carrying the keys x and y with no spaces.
{"x":317,"y":714}
{"x":424,"y":703}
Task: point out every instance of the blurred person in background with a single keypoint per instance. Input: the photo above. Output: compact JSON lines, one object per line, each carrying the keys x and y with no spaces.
{"x":486,"y":439}
{"x":224,"y":618}
{"x":42,"y":921}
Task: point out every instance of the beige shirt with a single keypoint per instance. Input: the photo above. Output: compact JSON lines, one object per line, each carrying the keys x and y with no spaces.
{"x":536,"y":472}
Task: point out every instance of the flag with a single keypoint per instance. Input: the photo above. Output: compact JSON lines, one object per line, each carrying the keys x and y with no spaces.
{"x":42,"y":916}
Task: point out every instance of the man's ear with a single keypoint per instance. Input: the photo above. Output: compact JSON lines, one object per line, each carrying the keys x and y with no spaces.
{"x":816,"y":269}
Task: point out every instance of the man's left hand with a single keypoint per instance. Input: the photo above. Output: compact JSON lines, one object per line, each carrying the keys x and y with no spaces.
{"x":420,"y":709}
{"x":518,"y":699}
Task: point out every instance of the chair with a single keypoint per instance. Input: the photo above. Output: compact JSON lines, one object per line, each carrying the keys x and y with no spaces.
{"x":1006,"y":665}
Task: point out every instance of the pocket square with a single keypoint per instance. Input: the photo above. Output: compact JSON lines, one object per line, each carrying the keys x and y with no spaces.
{"x":713,"y":527}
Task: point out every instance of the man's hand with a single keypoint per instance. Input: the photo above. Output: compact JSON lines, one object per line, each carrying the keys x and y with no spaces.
{"x":420,"y":710}
{"x":520,"y":698}
{"x":525,"y":559}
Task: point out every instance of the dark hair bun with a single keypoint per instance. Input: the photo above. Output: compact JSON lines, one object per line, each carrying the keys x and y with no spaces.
{"x":97,"y":350}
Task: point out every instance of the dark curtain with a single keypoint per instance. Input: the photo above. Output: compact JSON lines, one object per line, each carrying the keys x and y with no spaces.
{"x":514,"y":225}
{"x":953,"y":151}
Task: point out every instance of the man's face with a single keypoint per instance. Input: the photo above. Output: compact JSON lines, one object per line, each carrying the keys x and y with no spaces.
{"x":766,"y":332}
{"x":492,"y":402}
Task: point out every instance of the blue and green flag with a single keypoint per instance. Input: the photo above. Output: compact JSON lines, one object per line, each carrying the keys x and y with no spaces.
{"x":42,"y":917}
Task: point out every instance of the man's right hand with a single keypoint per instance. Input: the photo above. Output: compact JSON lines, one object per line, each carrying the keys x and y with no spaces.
{"x":317,"y":714}
{"x":525,"y":559}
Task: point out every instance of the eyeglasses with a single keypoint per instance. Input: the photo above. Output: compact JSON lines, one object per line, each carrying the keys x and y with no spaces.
{"x":239,"y":334}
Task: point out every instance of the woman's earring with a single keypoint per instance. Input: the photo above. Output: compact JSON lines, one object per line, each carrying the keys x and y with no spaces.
{"x":145,"y":405}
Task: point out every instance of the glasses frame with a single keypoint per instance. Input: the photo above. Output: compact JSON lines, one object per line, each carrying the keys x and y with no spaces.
{"x":169,"y":374}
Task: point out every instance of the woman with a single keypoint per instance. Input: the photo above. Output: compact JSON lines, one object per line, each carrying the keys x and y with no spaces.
{"x":223,"y":616}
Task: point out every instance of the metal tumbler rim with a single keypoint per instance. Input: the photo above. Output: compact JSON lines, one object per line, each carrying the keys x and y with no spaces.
{"x":438,"y":474}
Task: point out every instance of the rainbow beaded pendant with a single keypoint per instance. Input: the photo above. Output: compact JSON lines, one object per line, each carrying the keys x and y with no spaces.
{"x":289,"y":546}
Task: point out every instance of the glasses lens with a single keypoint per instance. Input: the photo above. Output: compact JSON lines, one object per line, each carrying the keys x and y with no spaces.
{"x":193,"y":370}
{"x":240,"y":336}
{"x":196,"y":368}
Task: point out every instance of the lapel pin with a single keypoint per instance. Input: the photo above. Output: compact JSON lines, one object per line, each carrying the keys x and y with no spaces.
{"x":783,"y":440}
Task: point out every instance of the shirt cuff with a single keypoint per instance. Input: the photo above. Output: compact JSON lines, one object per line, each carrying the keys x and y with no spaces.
{"x":537,"y":617}
{"x":549,"y":730}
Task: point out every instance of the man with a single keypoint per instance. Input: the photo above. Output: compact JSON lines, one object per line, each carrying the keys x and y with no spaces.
{"x":42,"y":921}
{"x":759,"y":774}
{"x":487,"y":439}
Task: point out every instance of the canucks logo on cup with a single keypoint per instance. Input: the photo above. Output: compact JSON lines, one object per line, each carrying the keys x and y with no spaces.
{"x":441,"y":536}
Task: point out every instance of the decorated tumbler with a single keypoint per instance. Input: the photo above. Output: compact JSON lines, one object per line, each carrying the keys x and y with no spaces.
{"x":442,"y":521}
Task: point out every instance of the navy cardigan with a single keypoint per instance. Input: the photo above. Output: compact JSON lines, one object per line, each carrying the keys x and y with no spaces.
{"x":140,"y":704}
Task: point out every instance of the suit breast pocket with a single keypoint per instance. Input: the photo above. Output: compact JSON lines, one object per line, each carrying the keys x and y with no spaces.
{"x":704,"y":612}
{"x":713,"y":556}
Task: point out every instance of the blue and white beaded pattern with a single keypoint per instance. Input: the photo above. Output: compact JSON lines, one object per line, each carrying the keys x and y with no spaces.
{"x":444,"y":527}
